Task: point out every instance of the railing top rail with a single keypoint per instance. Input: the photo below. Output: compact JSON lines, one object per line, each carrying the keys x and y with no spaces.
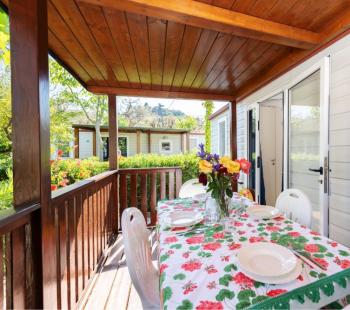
{"x":71,"y":189}
{"x":12,"y":218}
{"x":147,"y":170}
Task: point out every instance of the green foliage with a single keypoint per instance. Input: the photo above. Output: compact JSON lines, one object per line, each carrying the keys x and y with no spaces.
{"x":6,"y":191}
{"x":188,"y":122}
{"x":209,"y":107}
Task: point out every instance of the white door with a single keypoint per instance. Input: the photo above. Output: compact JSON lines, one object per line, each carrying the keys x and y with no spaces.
{"x":308,"y":143}
{"x":86,"y":144}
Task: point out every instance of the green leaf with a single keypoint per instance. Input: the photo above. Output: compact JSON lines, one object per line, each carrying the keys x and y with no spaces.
{"x":176,"y":246}
{"x":343,"y":253}
{"x":258,"y":284}
{"x":322,"y":275}
{"x":313,"y":274}
{"x":230,"y":267}
{"x":341,"y":282}
{"x":185,"y":305}
{"x":259,"y":299}
{"x":329,"y":254}
{"x":224,"y":293}
{"x":205,"y":254}
{"x":194,"y":247}
{"x":317,"y":238}
{"x":161,"y":279}
{"x":319,"y":255}
{"x":245,"y":294}
{"x":179,"y":276}
{"x":163,"y":257}
{"x":242,"y":239}
{"x":225,"y":280}
{"x":321,"y":248}
{"x":243,"y":304}
{"x":167,"y":293}
{"x":299,"y":297}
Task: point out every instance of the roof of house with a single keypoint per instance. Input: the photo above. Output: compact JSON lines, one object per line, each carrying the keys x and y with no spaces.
{"x":219,"y":112}
{"x":134,"y":129}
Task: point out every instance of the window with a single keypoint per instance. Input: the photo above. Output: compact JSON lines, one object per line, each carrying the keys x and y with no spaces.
{"x":123,"y":146}
{"x":165,"y":146}
{"x":222,"y":137}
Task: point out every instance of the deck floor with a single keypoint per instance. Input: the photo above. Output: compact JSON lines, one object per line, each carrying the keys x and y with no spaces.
{"x":112,"y":287}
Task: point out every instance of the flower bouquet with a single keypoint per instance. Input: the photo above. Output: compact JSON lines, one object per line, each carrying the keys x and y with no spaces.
{"x":218,"y":174}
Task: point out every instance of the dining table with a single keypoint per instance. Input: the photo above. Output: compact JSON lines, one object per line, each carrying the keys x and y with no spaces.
{"x":199,"y":268}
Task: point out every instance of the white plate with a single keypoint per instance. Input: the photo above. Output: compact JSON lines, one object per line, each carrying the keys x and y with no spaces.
{"x":266,"y":259}
{"x":183,"y":218}
{"x":289,"y":277}
{"x":262,"y":212}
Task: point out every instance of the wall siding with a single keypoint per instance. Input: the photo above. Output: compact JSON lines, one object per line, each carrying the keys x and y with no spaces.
{"x":339,"y":126}
{"x":215,"y":132}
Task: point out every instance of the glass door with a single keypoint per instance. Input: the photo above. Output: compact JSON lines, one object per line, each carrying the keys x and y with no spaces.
{"x":307,"y":135}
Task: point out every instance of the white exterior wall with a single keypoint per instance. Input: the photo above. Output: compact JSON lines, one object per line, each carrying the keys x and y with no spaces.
{"x":86,"y":144}
{"x":194,"y":141}
{"x":215,"y":132}
{"x":175,"y":140}
{"x":339,"y":133}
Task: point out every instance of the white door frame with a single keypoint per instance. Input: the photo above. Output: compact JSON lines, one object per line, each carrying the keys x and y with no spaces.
{"x":324,"y":66}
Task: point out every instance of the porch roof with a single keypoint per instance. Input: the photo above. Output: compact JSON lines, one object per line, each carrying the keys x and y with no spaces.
{"x":188,"y":49}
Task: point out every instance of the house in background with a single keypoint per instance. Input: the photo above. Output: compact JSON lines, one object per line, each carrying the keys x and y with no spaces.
{"x":220,"y":131}
{"x":136,"y":140}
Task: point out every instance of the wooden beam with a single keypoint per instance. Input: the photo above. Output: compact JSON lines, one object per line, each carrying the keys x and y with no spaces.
{"x":113,"y":132}
{"x":76,"y":143}
{"x":149,"y":141}
{"x":138,"y":142}
{"x":207,"y":16}
{"x":233,"y":135}
{"x":31,"y":137}
{"x":137,"y":92}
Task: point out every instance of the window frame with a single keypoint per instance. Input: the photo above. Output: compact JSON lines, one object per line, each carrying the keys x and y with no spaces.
{"x":165,"y":141}
{"x":222,"y":120}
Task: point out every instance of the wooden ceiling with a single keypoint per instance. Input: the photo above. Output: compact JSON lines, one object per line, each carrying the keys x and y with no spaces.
{"x":203,"y":49}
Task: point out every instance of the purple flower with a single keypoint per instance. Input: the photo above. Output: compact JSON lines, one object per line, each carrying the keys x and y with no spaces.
{"x":216,"y":157}
{"x":217,"y":167}
{"x":201,"y":152}
{"x":209,"y":157}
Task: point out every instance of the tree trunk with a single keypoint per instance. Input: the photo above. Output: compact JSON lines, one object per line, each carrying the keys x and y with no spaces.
{"x":99,"y":143}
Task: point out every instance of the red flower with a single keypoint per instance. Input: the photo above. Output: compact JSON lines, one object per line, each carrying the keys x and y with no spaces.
{"x":170,"y":239}
{"x":202,"y":178}
{"x":242,"y":279}
{"x":163,"y":267}
{"x":314,"y":233}
{"x":195,"y":240}
{"x":312,"y":248}
{"x":192,"y":265}
{"x":211,"y":269}
{"x":186,"y":254}
{"x":209,"y":305}
{"x":219,"y":235}
{"x":321,"y":261}
{"x":225,"y":258}
{"x":300,"y":278}
{"x":272,"y":228}
{"x":189,"y":287}
{"x":294,"y":234}
{"x":53,"y":187}
{"x":234,"y":246}
{"x":344,"y":264}
{"x":213,"y":246}
{"x":276,"y":292}
{"x":256,"y":239}
{"x":237,"y":224}
{"x":333,"y":243}
{"x":59,"y":153}
{"x":245,"y":165}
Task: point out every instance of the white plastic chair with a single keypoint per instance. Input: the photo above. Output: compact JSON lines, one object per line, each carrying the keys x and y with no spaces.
{"x":137,"y":249}
{"x":191,"y":188}
{"x":296,"y":206}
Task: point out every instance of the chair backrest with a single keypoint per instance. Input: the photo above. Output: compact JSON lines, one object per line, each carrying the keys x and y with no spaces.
{"x":191,"y":188}
{"x":295,"y":205}
{"x":137,"y":249}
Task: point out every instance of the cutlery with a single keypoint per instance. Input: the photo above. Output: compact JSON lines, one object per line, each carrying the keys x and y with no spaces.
{"x":307,"y":258}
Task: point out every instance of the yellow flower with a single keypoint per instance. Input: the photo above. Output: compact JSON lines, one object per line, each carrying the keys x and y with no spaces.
{"x":232,"y":166}
{"x":205,"y":166}
{"x":224,"y":160}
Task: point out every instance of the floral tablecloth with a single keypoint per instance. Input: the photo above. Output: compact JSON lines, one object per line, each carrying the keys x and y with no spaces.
{"x":199,"y":270}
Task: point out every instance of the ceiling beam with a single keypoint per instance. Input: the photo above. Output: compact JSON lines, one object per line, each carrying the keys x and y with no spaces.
{"x":134,"y":92}
{"x":206,"y":16}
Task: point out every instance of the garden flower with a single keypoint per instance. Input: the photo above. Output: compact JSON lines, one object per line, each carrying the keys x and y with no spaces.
{"x":232,"y":166}
{"x":203,"y":179}
{"x":245,"y":165}
{"x":205,"y":166}
{"x":201,"y":152}
{"x":224,"y":159}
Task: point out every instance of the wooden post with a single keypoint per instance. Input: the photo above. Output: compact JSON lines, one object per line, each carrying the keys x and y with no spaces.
{"x":76,"y":143}
{"x":149,"y":142}
{"x":113,"y":132}
{"x":94,"y":153}
{"x":31,"y":136}
{"x":233,"y":134}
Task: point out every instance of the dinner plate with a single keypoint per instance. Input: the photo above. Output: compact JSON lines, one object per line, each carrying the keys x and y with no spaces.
{"x":183,"y":218}
{"x":266,"y":259}
{"x":262,"y":212}
{"x":289,"y":277}
{"x":199,"y":197}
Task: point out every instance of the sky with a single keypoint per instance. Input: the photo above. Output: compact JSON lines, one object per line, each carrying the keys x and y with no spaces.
{"x":190,"y":107}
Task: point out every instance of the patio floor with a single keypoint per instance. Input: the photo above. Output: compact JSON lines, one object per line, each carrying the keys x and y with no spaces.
{"x":112,"y":287}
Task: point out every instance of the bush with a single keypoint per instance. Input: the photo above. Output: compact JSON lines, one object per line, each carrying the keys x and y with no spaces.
{"x":6,"y":191}
{"x":5,"y":165}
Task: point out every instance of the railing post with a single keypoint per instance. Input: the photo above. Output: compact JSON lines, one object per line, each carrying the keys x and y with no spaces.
{"x":233,"y":135}
{"x":31,"y":140}
{"x":113,"y":132}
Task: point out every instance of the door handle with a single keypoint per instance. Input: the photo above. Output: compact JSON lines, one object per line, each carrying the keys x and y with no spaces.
{"x":320,"y":171}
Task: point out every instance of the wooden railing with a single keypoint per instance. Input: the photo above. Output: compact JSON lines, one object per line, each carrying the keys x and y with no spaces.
{"x":86,"y":217}
{"x":143,"y":187}
{"x":85,"y":222}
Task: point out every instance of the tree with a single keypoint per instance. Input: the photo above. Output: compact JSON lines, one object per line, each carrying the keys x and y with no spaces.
{"x":66,"y":88}
{"x":188,"y":122}
{"x":209,"y":107}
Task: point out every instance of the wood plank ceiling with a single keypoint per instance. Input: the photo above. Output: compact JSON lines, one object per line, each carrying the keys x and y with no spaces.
{"x":110,"y":49}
